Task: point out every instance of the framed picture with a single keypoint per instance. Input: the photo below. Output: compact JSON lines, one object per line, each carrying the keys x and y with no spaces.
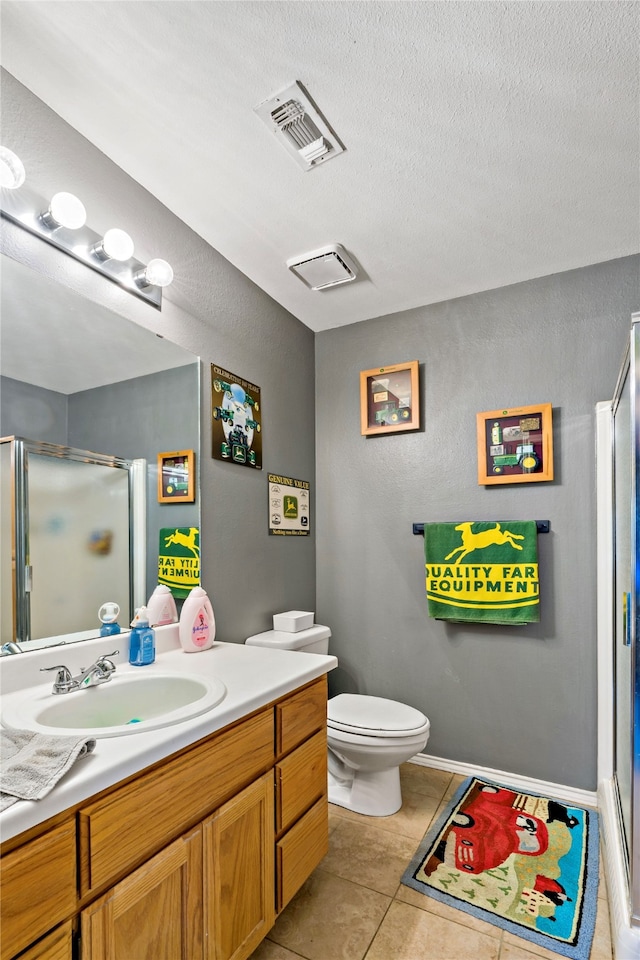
{"x":289,"y":506}
{"x":236,"y":419}
{"x":176,"y":477}
{"x":389,"y":399}
{"x":515,"y":446}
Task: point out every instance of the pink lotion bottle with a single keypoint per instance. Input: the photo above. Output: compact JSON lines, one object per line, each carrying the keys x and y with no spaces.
{"x":197,"y":627}
{"x":162,"y":607}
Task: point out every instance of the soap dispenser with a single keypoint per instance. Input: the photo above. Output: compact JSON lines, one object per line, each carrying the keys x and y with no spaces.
{"x":108,"y":616}
{"x":142,"y":641}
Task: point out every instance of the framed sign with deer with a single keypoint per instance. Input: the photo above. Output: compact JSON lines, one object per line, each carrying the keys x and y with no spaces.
{"x":176,"y":477}
{"x":515,"y":445}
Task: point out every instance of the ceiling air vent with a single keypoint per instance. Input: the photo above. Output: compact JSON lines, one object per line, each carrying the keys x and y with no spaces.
{"x":301,"y":129}
{"x":324,"y":268}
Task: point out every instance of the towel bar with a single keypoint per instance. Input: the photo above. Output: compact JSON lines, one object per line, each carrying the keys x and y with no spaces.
{"x":543,"y":526}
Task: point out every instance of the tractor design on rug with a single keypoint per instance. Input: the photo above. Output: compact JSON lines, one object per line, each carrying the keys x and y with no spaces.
{"x":516,"y":859}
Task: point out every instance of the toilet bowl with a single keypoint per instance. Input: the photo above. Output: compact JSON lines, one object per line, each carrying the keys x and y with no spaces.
{"x":368,"y":737}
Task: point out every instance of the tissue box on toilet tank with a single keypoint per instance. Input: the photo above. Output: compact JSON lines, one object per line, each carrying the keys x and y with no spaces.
{"x":293,"y":621}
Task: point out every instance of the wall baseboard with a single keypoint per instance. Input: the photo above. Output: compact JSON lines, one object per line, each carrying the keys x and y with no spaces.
{"x":582,"y":798}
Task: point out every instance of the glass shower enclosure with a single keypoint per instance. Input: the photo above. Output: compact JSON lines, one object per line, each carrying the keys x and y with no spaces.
{"x":618,"y":483}
{"x":67,"y":527}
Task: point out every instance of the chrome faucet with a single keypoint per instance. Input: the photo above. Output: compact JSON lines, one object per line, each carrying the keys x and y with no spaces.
{"x":99,"y":672}
{"x":9,"y":648}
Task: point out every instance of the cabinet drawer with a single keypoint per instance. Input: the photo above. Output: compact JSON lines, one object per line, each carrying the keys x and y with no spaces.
{"x":58,"y":945}
{"x":37,"y":887}
{"x":299,"y":716}
{"x":300,"y":851}
{"x":138,"y":819}
{"x":301,"y":779}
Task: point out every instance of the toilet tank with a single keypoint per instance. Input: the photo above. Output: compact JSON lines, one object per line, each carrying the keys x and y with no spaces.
{"x":313,"y":640}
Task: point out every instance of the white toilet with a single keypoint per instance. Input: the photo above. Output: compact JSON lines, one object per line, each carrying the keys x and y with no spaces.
{"x":368,"y":737}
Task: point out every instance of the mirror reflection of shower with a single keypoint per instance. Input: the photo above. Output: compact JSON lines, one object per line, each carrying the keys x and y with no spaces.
{"x":65,"y":523}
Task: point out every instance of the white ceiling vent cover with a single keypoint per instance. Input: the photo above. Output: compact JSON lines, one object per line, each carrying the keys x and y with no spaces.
{"x":302,"y":130}
{"x":324,"y":268}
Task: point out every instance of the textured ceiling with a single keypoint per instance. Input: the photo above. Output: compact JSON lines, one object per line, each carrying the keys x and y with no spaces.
{"x":486,"y":143}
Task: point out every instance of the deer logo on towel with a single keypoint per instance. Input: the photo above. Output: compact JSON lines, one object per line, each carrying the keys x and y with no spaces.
{"x":184,"y":540}
{"x":484,"y":538}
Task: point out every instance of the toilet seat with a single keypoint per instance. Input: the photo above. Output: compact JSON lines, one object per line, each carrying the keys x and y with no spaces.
{"x":374,"y":717}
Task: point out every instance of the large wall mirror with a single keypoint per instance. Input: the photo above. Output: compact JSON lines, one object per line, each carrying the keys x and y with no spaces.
{"x":77,"y":379}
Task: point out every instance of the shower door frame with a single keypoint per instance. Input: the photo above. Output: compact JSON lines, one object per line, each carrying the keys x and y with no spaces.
{"x":634,"y":852}
{"x":622,"y":865}
{"x":21,"y":449}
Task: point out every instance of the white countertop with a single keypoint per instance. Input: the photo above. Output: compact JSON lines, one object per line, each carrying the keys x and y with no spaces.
{"x":253,"y":677}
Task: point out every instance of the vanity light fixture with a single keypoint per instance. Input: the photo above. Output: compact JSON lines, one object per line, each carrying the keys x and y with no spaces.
{"x":157,"y":272}
{"x":115,"y":245}
{"x":62,"y":223}
{"x":65,"y":210}
{"x":12,"y":173}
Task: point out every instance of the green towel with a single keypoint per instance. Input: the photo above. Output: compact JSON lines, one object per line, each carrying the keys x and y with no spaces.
{"x":484,"y":572}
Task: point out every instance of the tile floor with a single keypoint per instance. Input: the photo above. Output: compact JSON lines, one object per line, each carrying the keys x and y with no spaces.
{"x":353,"y":906}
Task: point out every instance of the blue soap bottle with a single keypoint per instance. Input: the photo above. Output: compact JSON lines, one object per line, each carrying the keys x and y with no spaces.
{"x":142,"y":641}
{"x":108,"y":616}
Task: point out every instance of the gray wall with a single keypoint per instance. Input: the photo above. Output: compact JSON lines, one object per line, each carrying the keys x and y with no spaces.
{"x":141,"y":418}
{"x":215,"y":312}
{"x":32,"y":412}
{"x":517,"y":699}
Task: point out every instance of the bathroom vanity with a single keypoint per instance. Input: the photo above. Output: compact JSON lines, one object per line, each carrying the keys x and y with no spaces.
{"x":193,"y":855}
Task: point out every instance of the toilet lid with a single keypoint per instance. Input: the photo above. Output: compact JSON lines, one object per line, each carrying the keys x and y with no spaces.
{"x":357,"y":713}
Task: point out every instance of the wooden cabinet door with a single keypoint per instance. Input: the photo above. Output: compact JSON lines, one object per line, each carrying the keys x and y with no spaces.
{"x":155,"y":913}
{"x":239,"y":902}
{"x":37,"y":887}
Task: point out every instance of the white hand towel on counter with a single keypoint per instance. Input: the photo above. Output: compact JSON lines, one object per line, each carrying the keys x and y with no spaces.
{"x":32,"y":763}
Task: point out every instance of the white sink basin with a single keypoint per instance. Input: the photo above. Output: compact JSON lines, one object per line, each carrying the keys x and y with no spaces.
{"x":128,"y":703}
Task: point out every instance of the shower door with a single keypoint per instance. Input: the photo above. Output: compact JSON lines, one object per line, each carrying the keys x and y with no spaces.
{"x":634,"y":685}
{"x":78,"y":543}
{"x":69,"y":540}
{"x":626,"y":639}
{"x":623,"y":522}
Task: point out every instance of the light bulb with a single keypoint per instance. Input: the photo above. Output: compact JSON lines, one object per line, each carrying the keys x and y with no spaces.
{"x":158,"y":272}
{"x":115,"y":245}
{"x":65,"y":210}
{"x":12,"y":173}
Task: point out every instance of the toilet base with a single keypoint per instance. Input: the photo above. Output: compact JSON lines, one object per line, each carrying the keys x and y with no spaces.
{"x":374,"y":794}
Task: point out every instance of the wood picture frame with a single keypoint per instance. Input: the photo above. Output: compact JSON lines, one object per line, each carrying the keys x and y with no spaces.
{"x":389,"y":399}
{"x":176,"y":477}
{"x":515,"y":445}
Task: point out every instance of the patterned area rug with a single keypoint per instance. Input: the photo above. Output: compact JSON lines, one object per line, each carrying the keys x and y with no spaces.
{"x":523,"y":862}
